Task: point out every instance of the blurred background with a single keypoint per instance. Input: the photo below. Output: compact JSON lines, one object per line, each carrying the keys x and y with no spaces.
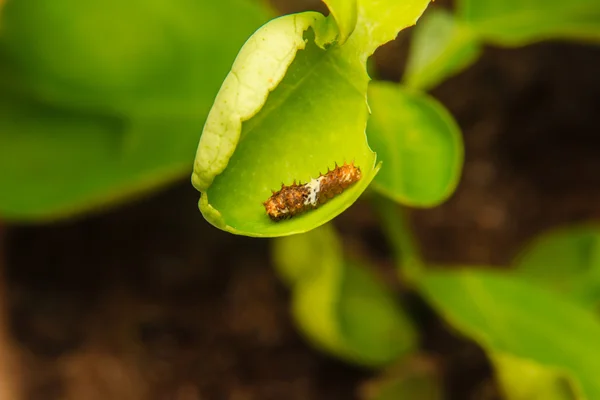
{"x":114,"y":285}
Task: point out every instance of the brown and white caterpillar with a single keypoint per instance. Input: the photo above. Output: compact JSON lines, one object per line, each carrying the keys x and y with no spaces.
{"x":297,"y":198}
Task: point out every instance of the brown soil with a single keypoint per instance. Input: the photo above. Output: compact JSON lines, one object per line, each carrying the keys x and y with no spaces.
{"x":150,"y":302}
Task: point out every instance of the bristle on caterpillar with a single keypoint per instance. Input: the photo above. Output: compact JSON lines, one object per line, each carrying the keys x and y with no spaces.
{"x":297,"y":198}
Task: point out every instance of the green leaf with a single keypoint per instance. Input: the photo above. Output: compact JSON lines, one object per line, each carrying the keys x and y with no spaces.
{"x":345,"y":13}
{"x":259,"y":68}
{"x":379,"y":21}
{"x":507,"y":315}
{"x":523,"y":379}
{"x":103,"y":100}
{"x":567,"y":260}
{"x":338,"y":304}
{"x":285,"y":115}
{"x":293,"y":137}
{"x":129,"y":57}
{"x":339,"y":25}
{"x":441,"y":46}
{"x":419,"y":144}
{"x":518,"y":22}
{"x":57,"y":162}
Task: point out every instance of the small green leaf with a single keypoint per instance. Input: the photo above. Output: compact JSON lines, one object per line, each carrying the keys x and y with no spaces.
{"x":567,"y":260}
{"x":419,"y":144}
{"x":506,"y":314}
{"x":338,"y":304}
{"x":523,"y":379}
{"x":441,"y":46}
{"x":518,"y":22}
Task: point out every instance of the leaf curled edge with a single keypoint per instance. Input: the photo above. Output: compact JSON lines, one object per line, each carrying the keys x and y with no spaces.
{"x":345,"y":16}
{"x":257,"y":70}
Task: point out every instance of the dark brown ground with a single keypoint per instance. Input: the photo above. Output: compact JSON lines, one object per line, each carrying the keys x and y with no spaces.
{"x":150,"y":302}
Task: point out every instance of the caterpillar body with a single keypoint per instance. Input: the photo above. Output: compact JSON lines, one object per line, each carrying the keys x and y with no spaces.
{"x":297,"y":198}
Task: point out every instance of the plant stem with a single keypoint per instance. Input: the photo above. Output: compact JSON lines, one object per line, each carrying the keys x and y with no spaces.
{"x":395,"y":225}
{"x":9,"y":373}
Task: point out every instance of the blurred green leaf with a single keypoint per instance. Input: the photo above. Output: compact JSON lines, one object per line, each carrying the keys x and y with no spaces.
{"x":567,"y":260}
{"x":103,"y":100}
{"x":271,"y":125}
{"x":418,"y":142}
{"x":524,"y":379}
{"x":57,"y":162}
{"x":507,"y":315}
{"x":167,"y":57}
{"x":518,"y":22}
{"x":338,"y":304}
{"x":440,"y":47}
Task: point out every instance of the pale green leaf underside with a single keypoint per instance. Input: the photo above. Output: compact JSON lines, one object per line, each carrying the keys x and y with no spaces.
{"x":441,"y":47}
{"x":518,"y":22}
{"x":525,"y":379}
{"x":566,"y":260}
{"x":418,"y":142}
{"x":339,"y":305}
{"x":508,"y":315}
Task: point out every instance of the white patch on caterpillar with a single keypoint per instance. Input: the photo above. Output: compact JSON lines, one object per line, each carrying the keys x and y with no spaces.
{"x":348,"y":176}
{"x":314,"y":187}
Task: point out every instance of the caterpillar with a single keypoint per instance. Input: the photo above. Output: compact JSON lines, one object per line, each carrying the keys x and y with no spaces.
{"x":297,"y":198}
